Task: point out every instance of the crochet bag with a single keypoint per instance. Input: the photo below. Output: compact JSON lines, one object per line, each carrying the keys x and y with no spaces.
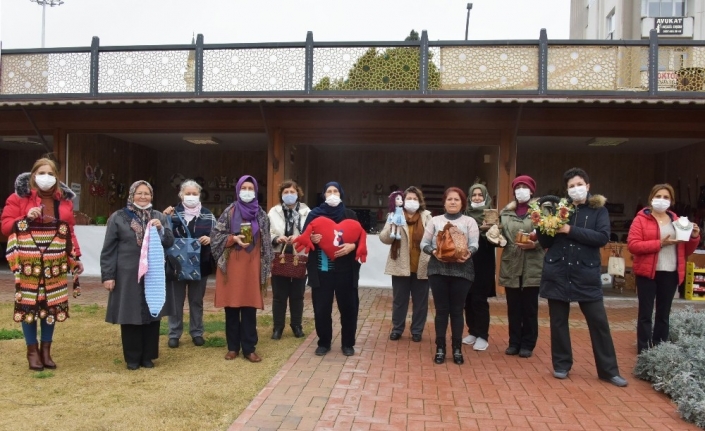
{"x":289,"y":265}
{"x":187,"y":252}
{"x":451,"y":244}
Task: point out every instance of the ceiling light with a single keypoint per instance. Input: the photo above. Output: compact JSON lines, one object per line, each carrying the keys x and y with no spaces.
{"x":202,"y":140}
{"x":606,"y":142}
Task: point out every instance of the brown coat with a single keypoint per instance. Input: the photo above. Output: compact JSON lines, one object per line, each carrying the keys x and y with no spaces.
{"x":401,"y":266}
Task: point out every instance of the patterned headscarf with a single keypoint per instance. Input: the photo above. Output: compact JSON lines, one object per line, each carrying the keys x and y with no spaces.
{"x":140,"y":217}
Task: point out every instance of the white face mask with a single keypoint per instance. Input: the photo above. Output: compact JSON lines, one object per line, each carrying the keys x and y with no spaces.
{"x":660,"y":205}
{"x":411,"y":206}
{"x":146,"y":207}
{"x":333,"y":200}
{"x":191,"y":201}
{"x":522,"y":195}
{"x":247,"y":196}
{"x":477,"y":204}
{"x":578,"y":193}
{"x":45,"y":181}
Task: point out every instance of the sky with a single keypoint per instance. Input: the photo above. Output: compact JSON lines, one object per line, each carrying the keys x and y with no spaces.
{"x":158,"y":22}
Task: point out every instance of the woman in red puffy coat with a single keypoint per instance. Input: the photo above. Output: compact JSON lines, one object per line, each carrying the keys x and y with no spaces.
{"x":659,"y":263}
{"x":40,"y":198}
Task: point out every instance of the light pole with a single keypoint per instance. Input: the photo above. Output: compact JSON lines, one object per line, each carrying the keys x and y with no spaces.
{"x":44,"y":4}
{"x":467,"y":20}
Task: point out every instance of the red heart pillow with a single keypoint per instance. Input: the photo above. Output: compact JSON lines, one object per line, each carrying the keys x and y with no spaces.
{"x":334,"y":235}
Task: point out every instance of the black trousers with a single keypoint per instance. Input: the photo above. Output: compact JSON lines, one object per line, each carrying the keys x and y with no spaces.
{"x":477,"y":312}
{"x":449,"y":295}
{"x":140,"y":343}
{"x":241,"y":329}
{"x":402,"y":288}
{"x":602,"y":345}
{"x":523,"y":316}
{"x":343,"y":286}
{"x":660,"y":290}
{"x":291,"y":290}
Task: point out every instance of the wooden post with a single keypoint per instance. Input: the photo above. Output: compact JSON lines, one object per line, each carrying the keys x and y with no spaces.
{"x":275,"y":168}
{"x":60,"y":147}
{"x":507,"y":173}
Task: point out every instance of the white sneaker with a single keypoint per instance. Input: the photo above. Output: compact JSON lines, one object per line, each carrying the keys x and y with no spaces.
{"x":470,"y":339}
{"x":480,"y":344}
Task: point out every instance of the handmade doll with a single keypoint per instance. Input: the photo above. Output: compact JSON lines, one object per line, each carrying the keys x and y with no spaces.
{"x":396,"y":213}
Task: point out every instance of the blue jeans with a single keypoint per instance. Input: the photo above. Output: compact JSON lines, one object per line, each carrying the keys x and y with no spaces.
{"x":30,"y":332}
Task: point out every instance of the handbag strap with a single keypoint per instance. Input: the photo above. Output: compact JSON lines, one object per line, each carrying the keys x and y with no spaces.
{"x":183,"y":224}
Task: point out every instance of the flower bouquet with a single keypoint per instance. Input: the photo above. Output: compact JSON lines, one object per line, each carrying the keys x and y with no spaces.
{"x":550,"y":213}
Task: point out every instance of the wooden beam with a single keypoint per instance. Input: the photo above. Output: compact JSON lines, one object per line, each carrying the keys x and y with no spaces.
{"x":60,"y":147}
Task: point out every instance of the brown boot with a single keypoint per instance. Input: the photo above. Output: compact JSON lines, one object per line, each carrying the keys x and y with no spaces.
{"x":45,"y":352}
{"x":35,"y":361}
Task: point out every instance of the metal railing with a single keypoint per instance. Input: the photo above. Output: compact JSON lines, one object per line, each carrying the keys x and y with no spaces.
{"x":414,"y":68}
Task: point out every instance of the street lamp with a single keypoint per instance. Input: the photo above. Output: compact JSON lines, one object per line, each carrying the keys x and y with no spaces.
{"x":467,"y":21}
{"x":44,"y":4}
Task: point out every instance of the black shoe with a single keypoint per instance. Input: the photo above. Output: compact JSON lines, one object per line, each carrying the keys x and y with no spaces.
{"x":458,"y":356}
{"x":347,"y":351}
{"x":132,"y":367}
{"x":525,"y":353}
{"x":277,"y":334}
{"x":298,"y":331}
{"x":560,"y":374}
{"x":511,"y":350}
{"x":198,"y":341}
{"x":617,"y":381}
{"x":148,"y":363}
{"x":322,"y":350}
{"x":173,"y":343}
{"x":394,"y":336}
{"x":416,"y":338}
{"x":440,"y":355}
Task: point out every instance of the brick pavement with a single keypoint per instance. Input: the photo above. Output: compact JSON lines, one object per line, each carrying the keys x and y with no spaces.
{"x":394,"y":385}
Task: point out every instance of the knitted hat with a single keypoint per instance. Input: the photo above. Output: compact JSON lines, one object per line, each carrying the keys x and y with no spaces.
{"x":525,"y":179}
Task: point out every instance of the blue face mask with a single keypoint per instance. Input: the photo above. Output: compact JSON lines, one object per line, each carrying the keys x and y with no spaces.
{"x":290,"y":199}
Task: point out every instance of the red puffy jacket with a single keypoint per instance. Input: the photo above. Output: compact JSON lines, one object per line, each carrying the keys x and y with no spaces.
{"x":644,"y":244}
{"x":18,"y":204}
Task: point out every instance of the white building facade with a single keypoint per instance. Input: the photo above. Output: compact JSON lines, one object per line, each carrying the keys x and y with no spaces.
{"x":634,"y":19}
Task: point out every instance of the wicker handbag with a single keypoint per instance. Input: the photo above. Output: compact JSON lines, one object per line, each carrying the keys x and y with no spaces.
{"x":289,"y":265}
{"x":451,"y":243}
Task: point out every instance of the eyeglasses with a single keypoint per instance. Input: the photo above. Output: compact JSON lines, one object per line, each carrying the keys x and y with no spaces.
{"x":143,"y":194}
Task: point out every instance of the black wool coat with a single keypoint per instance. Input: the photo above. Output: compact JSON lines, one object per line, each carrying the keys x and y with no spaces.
{"x":572,"y":268}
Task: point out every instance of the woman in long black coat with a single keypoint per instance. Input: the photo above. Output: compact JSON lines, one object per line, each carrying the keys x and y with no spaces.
{"x":477,"y":308}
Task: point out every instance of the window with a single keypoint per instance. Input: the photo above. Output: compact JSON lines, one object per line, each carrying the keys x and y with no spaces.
{"x":662,"y":8}
{"x":610,"y":25}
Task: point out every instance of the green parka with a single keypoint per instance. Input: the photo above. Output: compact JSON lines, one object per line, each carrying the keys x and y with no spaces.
{"x":517,"y":262}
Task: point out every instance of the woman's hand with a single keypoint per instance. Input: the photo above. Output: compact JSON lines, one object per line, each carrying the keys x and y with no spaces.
{"x":156,"y":223}
{"x":695,"y":232}
{"x":283,"y":240}
{"x":78,"y":269}
{"x":168,"y":211}
{"x":236,"y":240}
{"x":668,"y":241}
{"x":316,"y":238}
{"x":465,"y":258}
{"x":34,"y":213}
{"x":204,"y":240}
{"x":109,"y":285}
{"x":344,"y":249}
{"x":564,"y":229}
{"x":526,"y":245}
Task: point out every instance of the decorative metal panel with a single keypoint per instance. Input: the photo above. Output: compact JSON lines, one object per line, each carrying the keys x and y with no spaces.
{"x":277,"y":69}
{"x":367,"y":69}
{"x":45,"y":73}
{"x":489,"y":68}
{"x":681,"y":68}
{"x":146,"y":71}
{"x":608,"y":68}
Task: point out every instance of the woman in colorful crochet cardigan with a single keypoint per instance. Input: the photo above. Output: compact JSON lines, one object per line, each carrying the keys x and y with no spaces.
{"x":41,"y":250}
